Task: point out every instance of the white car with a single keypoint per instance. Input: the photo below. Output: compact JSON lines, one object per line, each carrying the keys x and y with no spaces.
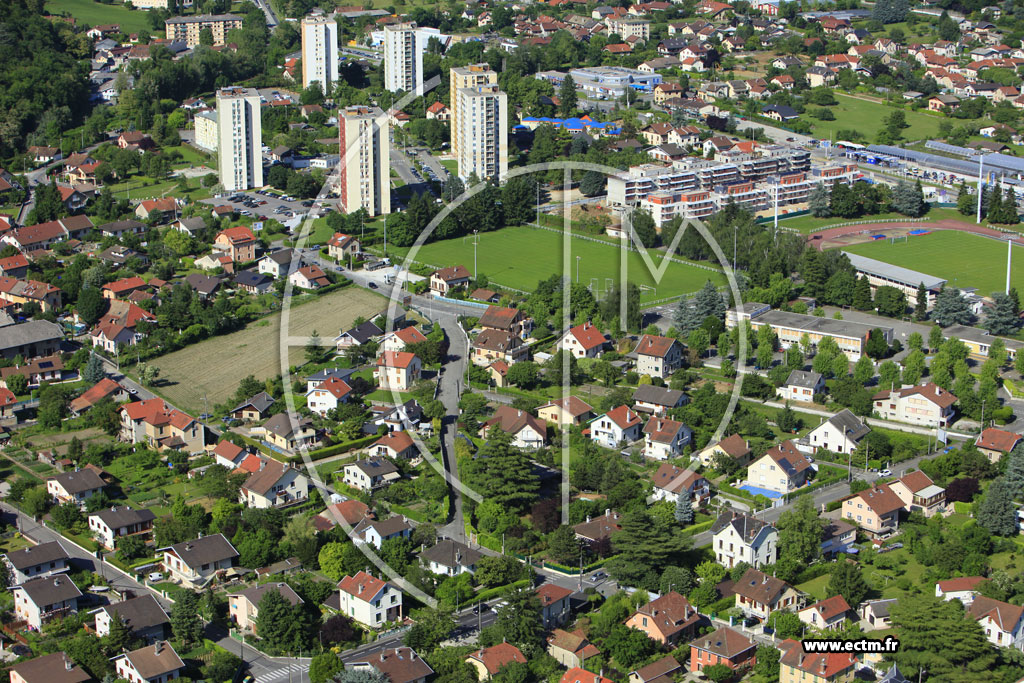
{"x":885,"y":473}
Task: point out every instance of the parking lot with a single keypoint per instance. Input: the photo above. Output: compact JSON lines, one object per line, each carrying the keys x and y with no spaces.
{"x":264,"y":204}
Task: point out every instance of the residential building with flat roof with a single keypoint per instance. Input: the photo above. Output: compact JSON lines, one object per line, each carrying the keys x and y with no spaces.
{"x":189,"y":29}
{"x":319,"y":51}
{"x":365,"y":149}
{"x":239,"y":139}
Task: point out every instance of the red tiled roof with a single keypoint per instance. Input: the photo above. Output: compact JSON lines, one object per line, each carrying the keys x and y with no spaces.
{"x":396,"y":359}
{"x":399,"y":442}
{"x":824,"y":666}
{"x":959,"y":584}
{"x":623,"y":417}
{"x":578,"y":675}
{"x":410,"y":335}
{"x":549,"y":594}
{"x":495,"y":657}
{"x":238,"y":235}
{"x":362,"y":586}
{"x":652,"y":345}
{"x":832,"y":607}
{"x":336,"y":387}
{"x":125,"y":284}
{"x":998,"y":440}
{"x":929,"y":391}
{"x":105,"y":387}
{"x":881,"y":499}
{"x":588,"y":335}
{"x":915,"y":481}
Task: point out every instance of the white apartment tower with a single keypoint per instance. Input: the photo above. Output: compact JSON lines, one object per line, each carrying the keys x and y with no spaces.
{"x":466,"y":77}
{"x":481,"y":136}
{"x":404,"y":45}
{"x":239,"y":139}
{"x":365,"y":149}
{"x":319,"y":51}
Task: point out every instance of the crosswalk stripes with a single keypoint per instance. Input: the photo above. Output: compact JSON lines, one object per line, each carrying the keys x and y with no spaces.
{"x":282,"y":674}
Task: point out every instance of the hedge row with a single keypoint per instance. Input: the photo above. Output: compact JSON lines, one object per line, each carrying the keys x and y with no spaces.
{"x":698,"y":528}
{"x":485,"y":595}
{"x":342,"y":447}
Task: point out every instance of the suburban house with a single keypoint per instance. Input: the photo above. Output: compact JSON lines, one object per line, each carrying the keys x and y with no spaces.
{"x":840,"y":433}
{"x":782,"y":469}
{"x":874,"y":614}
{"x":875,"y":510}
{"x":369,"y":601}
{"x":758,"y":595}
{"x":450,"y":558}
{"x":50,"y":369}
{"x":827,"y":614}
{"x":1002,"y":622}
{"x":309,"y":277}
{"x":399,"y":664}
{"x":738,"y":537}
{"x":328,"y":395}
{"x":526,"y":431}
{"x":255,"y":408}
{"x":725,"y":646}
{"x":490,"y":660}
{"x":664,"y":439}
{"x":616,"y":426}
{"x":995,"y":443}
{"x":22,"y":292}
{"x":43,"y":598}
{"x":288,"y":433}
{"x":837,"y":537}
{"x":105,"y":388}
{"x":660,"y":670}
{"x":349,"y":511}
{"x":733,"y":446}
{"x":962,"y":588}
{"x":583,"y":341}
{"x":120,"y":289}
{"x":919,"y":493}
{"x":341,"y":246}
{"x":400,"y":340}
{"x":669,"y":480}
{"x":76,"y":486}
{"x":802,"y":385}
{"x":795,"y":665}
{"x":657,"y":401}
{"x":926,"y":404}
{"x":398,"y":370}
{"x":37,"y":560}
{"x":244,"y":606}
{"x":155,"y":209}
{"x":31,"y":339}
{"x":667,"y":620}
{"x":571,"y":649}
{"x":55,"y":668}
{"x":395,"y":445}
{"x":554,"y":604}
{"x":275,"y":485}
{"x":154,"y":422}
{"x":278,"y":263}
{"x":156,"y":663}
{"x":658,"y":356}
{"x":117,"y":522}
{"x":375,"y":532}
{"x":445,"y":280}
{"x":238,"y":242}
{"x":143,"y":615}
{"x":510,"y":320}
{"x":566,"y":411}
{"x":195,"y":562}
{"x":596,"y":531}
{"x":358,"y":335}
{"x":370,"y":474}
{"x":491,"y":345}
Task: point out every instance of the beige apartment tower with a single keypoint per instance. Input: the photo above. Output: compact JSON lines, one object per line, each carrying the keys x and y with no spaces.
{"x":466,"y":77}
{"x":365,"y":149}
{"x":189,"y":28}
{"x":320,"y":51}
{"x":481,"y":135}
{"x":239,"y":139}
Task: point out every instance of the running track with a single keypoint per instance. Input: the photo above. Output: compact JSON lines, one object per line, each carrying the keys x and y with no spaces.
{"x":820,"y":238}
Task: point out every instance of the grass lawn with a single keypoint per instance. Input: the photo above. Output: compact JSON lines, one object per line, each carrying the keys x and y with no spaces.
{"x":853,"y":113}
{"x":816,"y":587}
{"x":213,"y":367}
{"x":540,"y":256}
{"x":141,"y":187}
{"x":808,"y":224}
{"x":94,"y":13}
{"x":450,"y":164}
{"x":965,"y":260}
{"x":189,"y":156}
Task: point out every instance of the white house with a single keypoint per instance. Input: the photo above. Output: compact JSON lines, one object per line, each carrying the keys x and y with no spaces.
{"x":802,"y":385}
{"x":782,"y":469}
{"x":143,"y":615}
{"x":196,"y":562}
{"x":156,"y":663}
{"x":328,"y":395}
{"x":617,"y":425}
{"x":274,"y":485}
{"x":450,"y":558}
{"x":583,"y":341}
{"x":76,"y":486}
{"x":962,"y":588}
{"x":37,"y":560}
{"x":369,"y":600}
{"x":927,"y":404}
{"x":117,"y":522}
{"x":840,"y":433}
{"x":656,"y":400}
{"x":244,"y":606}
{"x":664,"y":439}
{"x":527,"y":431}
{"x":398,"y":340}
{"x":669,"y":481}
{"x":396,"y":445}
{"x":370,"y":474}
{"x":1002,"y":622}
{"x":828,"y":614}
{"x":738,"y":537}
{"x":39,"y":600}
{"x":398,"y":370}
{"x":375,"y":532}
{"x":658,"y":356}
{"x":277,"y":263}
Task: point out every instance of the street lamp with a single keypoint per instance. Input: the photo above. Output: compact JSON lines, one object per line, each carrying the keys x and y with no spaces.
{"x":578,"y":269}
{"x":476,"y":241}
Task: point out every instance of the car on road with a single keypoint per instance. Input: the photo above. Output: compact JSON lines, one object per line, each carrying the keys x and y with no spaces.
{"x":132,"y":390}
{"x":885,"y":473}
{"x":373,"y":285}
{"x":599,"y":576}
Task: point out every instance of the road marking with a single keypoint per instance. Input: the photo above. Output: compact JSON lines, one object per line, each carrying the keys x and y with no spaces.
{"x":278,"y":674}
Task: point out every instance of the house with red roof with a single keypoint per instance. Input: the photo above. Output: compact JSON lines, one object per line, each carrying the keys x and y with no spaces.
{"x":369,"y":601}
{"x":395,"y":445}
{"x":827,"y":614}
{"x":782,"y":469}
{"x":571,"y":410}
{"x":21,"y":292}
{"x":489,"y":661}
{"x":962,"y":588}
{"x":919,"y":493}
{"x":1002,"y":622}
{"x":398,"y":370}
{"x":578,"y":675}
{"x":120,"y":289}
{"x":616,"y":426}
{"x":350,"y":511}
{"x":995,"y":443}
{"x":583,"y":341}
{"x":554,"y":604}
{"x":398,"y":340}
{"x":14,"y":266}
{"x":527,"y":431}
{"x":105,"y":388}
{"x":341,"y":246}
{"x":571,"y":649}
{"x":668,"y":620}
{"x":795,"y":665}
{"x":669,"y":481}
{"x":309,"y":277}
{"x":926,"y":404}
{"x":664,"y":438}
{"x":328,"y":395}
{"x":725,"y":646}
{"x":238,"y":242}
{"x":444,"y":280}
{"x":156,"y":209}
{"x":658,"y":356}
{"x":118,"y":326}
{"x":438,"y":110}
{"x":162,"y":427}
{"x":875,"y":510}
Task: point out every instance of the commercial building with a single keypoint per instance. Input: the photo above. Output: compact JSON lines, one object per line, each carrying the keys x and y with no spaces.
{"x":319,"y":51}
{"x":460,"y":77}
{"x":481,"y":134}
{"x":605,"y":82}
{"x":404,"y":45}
{"x":365,"y":149}
{"x":239,"y":139}
{"x":881,"y":274}
{"x":791,"y":327}
{"x":189,"y":29}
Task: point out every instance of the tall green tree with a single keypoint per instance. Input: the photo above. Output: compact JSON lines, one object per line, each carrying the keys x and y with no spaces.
{"x":799,"y":535}
{"x":645,"y":546}
{"x":684,"y":507}
{"x":921,"y":303}
{"x":935,"y":637}
{"x":506,"y":474}
{"x":847,"y":580}
{"x":1001,"y":318}
{"x":951,"y":308}
{"x":567,"y":97}
{"x":520,"y":622}
{"x":998,"y":513}
{"x":862,"y":295}
{"x":185,"y":623}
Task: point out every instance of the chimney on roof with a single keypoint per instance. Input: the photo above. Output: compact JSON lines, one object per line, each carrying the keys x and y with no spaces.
{"x":158,"y":647}
{"x":800,"y":660}
{"x":68,"y":664}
